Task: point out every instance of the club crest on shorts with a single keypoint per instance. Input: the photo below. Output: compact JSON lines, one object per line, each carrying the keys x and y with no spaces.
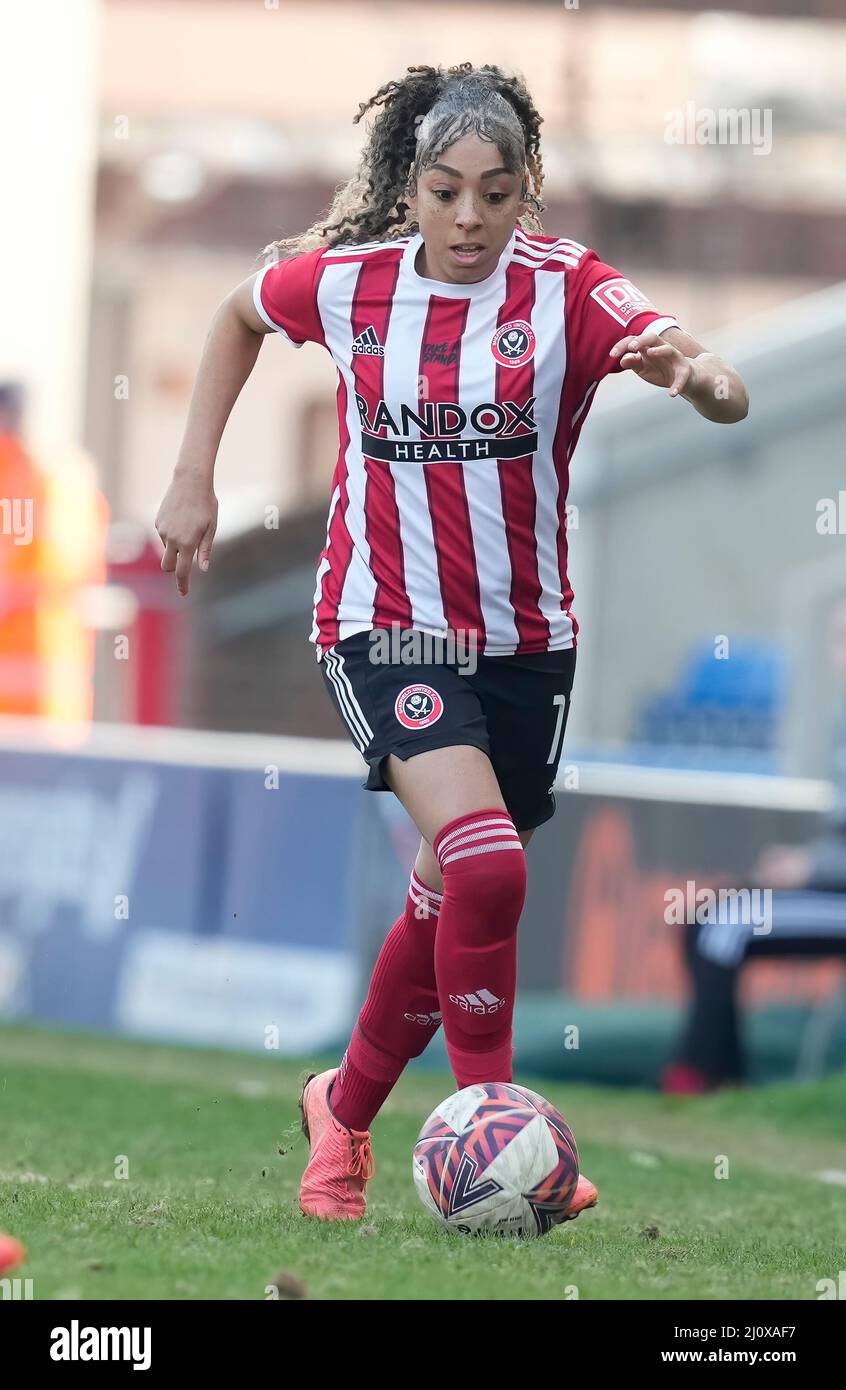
{"x":418,"y":706}
{"x":513,"y":343}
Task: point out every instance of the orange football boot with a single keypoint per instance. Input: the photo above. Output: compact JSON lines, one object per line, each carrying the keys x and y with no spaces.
{"x":586,"y":1195}
{"x":340,"y":1164}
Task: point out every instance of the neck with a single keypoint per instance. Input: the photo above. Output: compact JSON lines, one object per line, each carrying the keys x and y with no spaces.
{"x":424,"y":267}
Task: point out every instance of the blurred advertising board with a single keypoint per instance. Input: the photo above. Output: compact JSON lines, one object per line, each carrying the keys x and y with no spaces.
{"x":234,"y":890}
{"x":152,"y":887}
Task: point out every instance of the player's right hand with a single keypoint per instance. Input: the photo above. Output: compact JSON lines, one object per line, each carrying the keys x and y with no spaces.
{"x":186,"y":523}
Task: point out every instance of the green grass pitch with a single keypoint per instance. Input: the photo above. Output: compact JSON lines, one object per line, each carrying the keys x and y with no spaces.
{"x":208,"y":1209}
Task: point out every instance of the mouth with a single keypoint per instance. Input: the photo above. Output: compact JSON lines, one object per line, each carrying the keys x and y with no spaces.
{"x":467,"y":252}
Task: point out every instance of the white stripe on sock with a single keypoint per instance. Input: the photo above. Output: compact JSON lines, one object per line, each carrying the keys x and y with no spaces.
{"x":481,"y":849}
{"x":501,"y":823}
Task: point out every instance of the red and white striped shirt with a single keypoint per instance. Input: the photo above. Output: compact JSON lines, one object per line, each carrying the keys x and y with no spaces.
{"x":459,"y":407}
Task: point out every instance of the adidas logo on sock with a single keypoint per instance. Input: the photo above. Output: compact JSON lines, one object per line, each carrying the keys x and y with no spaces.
{"x":480,"y":1002}
{"x":368,"y":343}
{"x":428,"y":1020}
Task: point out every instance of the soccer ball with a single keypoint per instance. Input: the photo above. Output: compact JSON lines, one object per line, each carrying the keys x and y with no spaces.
{"x":496,"y":1158}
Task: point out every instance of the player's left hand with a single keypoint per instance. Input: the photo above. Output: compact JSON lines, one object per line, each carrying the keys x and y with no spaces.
{"x":655,"y":361}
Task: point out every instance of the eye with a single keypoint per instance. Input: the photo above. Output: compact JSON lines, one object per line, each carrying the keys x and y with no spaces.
{"x":445,"y":195}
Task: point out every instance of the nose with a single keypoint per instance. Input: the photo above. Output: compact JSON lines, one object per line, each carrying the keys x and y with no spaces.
{"x":467,"y":211}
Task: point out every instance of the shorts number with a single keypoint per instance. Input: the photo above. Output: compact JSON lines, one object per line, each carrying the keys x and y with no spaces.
{"x":561,"y":702}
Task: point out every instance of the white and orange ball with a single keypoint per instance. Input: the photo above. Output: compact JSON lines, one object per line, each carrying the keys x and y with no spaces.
{"x":496,"y":1158}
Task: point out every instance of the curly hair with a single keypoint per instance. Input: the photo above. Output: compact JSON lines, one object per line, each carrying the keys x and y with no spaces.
{"x":423,"y":114}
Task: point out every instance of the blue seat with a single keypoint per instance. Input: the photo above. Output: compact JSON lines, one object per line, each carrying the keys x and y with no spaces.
{"x":730,"y":703}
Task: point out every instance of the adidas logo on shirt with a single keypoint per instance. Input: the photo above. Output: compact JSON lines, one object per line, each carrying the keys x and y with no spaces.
{"x":481,"y":1002}
{"x":368,"y":343}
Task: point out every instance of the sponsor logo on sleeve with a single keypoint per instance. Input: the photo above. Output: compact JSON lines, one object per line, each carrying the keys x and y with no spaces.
{"x":622,"y":300}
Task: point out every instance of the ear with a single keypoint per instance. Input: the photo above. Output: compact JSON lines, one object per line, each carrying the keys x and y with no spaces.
{"x":410,"y":197}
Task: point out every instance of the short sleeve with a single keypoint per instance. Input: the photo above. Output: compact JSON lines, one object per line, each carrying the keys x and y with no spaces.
{"x":285,"y":296}
{"x":603,"y":306}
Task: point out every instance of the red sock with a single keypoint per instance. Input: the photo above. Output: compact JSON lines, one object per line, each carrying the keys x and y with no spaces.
{"x":484,"y":871}
{"x":399,"y":1017}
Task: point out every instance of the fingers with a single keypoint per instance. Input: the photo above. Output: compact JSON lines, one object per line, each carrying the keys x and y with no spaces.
{"x":170,"y":555}
{"x":632,"y":361}
{"x":676,"y":360}
{"x":681,"y":376}
{"x":186,"y":524}
{"x":183,"y":568}
{"x":640,"y":352}
{"x":178,"y":558}
{"x":204,"y":552}
{"x":634,"y":344}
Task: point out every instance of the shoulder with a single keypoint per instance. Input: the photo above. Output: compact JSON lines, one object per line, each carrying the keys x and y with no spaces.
{"x":344,"y":252}
{"x":590,"y":283}
{"x":310,"y":265}
{"x":551,"y":253}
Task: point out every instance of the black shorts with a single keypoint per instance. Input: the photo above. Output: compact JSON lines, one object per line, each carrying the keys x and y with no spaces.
{"x":512,"y":707}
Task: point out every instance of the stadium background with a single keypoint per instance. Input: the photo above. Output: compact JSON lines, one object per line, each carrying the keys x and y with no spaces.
{"x":185,"y":852}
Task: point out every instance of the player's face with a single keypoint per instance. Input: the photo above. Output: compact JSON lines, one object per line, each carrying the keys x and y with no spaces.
{"x":467,"y":206}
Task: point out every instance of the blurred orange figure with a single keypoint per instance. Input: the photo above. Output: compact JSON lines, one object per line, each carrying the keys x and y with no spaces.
{"x":52,"y":542}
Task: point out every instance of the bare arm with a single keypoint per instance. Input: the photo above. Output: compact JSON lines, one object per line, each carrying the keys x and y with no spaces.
{"x":187,"y":517}
{"x":677,"y":361}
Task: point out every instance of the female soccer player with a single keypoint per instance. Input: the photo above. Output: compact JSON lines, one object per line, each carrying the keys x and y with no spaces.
{"x":469,"y":346}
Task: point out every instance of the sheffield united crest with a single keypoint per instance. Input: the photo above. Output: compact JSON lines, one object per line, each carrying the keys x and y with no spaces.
{"x":513,"y":344}
{"x":418,"y":706}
